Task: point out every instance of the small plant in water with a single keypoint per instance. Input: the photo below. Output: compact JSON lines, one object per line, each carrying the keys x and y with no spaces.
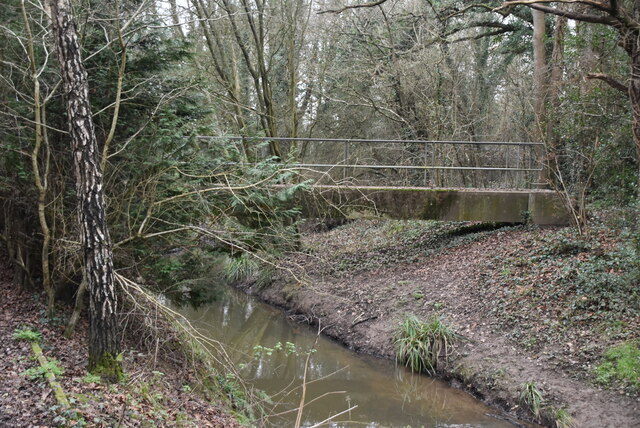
{"x":531,"y":397}
{"x":419,"y":344}
{"x":287,"y":348}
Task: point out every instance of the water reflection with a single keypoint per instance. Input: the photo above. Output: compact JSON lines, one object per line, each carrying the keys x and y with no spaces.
{"x":272,"y":352}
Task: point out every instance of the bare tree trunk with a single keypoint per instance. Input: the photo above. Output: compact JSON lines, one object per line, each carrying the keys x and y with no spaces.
{"x":539,"y":87}
{"x":175,"y":20}
{"x":104,"y":343}
{"x":40,"y":177}
{"x":554,"y":93}
{"x":539,"y":66}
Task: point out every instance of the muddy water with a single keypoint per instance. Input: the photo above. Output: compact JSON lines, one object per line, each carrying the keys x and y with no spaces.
{"x":378,"y":393}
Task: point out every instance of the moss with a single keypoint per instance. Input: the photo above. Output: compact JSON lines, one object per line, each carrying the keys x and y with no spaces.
{"x":47,"y":368}
{"x":108,"y":367}
{"x":621,"y":362}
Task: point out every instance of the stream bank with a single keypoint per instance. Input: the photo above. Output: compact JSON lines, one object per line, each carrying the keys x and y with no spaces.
{"x":158,"y":391}
{"x":364,"y":277}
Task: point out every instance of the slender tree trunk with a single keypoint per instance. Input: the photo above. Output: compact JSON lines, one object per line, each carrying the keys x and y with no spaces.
{"x":40,"y":177}
{"x":175,"y":20}
{"x":632,"y":45}
{"x":104,"y":344}
{"x":539,"y":87}
{"x":554,"y":94}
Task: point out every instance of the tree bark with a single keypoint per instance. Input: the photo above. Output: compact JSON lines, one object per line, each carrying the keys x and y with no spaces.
{"x":104,"y":344}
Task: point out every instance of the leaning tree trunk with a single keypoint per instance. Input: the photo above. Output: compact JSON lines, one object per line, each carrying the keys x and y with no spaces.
{"x":104,"y":345}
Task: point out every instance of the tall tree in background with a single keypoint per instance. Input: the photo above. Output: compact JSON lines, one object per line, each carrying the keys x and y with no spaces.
{"x":104,"y":345}
{"x":625,"y":18}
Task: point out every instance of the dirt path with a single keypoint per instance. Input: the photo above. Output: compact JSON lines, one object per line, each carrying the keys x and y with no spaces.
{"x":364,"y":309}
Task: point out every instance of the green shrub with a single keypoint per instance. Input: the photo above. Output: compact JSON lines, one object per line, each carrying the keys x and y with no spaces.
{"x":608,"y":282}
{"x":419,"y":344}
{"x":566,"y":244}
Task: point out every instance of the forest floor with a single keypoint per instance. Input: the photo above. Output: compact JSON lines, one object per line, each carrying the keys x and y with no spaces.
{"x":532,"y":305}
{"x":155,"y":392}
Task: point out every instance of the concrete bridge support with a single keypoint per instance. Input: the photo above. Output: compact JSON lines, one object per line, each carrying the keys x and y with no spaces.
{"x":542,"y":207}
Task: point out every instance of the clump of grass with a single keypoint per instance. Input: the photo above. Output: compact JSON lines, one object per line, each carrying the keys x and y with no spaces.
{"x":419,"y":344}
{"x":531,"y":397}
{"x":621,"y":362}
{"x":240,"y":268}
{"x":562,"y":418}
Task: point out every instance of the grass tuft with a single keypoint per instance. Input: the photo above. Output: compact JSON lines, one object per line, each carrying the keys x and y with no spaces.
{"x":420,"y":344}
{"x":531,"y":397}
{"x":562,"y":418}
{"x":240,"y":268}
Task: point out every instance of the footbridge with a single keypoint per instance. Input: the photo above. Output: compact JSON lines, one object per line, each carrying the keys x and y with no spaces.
{"x":485,"y":181}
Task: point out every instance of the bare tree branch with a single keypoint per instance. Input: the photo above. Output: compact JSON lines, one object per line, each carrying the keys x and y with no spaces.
{"x":577,"y":16}
{"x":353,"y":6}
{"x":611,"y":81}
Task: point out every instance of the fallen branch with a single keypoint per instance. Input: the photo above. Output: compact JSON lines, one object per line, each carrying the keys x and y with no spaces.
{"x":61,"y":397}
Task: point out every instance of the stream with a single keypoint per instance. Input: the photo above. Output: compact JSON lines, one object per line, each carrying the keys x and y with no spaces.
{"x":271,"y":351}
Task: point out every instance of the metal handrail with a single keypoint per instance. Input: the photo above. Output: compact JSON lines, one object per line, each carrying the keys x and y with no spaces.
{"x":347,"y":162}
{"x":368,"y":140}
{"x":419,"y":167}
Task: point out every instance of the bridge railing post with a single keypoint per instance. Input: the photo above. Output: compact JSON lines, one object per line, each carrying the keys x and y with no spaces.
{"x":426,"y":163}
{"x":346,"y":159}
